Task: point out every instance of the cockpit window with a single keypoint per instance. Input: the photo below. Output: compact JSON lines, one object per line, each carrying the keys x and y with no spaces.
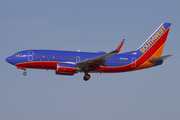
{"x":17,"y":54}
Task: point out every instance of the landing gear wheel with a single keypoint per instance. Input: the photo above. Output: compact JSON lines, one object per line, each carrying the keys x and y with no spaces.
{"x":87,"y":77}
{"x":24,"y":73}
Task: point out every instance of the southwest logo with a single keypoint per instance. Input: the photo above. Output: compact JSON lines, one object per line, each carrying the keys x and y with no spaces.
{"x":152,"y":40}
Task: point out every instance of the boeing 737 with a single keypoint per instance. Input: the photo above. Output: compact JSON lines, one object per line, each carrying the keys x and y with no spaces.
{"x":69,"y":62}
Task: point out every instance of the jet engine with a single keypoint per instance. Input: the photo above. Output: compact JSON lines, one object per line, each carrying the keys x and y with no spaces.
{"x":66,"y":69}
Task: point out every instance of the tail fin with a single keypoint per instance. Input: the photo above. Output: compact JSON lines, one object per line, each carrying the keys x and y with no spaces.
{"x":154,"y":45}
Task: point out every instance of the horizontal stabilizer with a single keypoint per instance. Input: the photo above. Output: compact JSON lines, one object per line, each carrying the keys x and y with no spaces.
{"x":159,"y":58}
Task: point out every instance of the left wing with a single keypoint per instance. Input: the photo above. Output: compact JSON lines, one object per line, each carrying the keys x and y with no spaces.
{"x":100,"y":60}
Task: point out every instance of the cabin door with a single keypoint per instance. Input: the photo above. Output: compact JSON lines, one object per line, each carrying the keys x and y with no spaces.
{"x":30,"y":56}
{"x":133,"y":62}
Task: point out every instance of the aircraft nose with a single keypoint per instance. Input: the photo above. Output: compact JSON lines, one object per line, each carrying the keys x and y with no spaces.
{"x":9,"y":59}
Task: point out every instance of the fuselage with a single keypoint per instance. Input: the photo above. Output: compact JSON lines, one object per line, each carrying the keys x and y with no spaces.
{"x":48,"y":59}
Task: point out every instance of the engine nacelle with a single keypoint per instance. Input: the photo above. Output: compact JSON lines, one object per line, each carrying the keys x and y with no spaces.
{"x":66,"y":69}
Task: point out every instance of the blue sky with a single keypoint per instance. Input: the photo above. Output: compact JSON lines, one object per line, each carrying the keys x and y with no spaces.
{"x":100,"y":25}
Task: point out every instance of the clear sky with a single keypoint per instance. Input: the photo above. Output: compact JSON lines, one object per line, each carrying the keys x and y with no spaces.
{"x":88,"y":25}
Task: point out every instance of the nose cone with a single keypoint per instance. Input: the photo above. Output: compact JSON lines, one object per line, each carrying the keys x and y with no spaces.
{"x":9,"y":60}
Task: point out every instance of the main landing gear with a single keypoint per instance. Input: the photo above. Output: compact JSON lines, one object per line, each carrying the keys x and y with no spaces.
{"x":86,"y":77}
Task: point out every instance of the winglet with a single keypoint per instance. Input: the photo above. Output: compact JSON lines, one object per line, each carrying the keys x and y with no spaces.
{"x":119,"y":47}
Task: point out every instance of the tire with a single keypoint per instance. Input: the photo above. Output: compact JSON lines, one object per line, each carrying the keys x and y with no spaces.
{"x":86,"y":77}
{"x":24,"y":73}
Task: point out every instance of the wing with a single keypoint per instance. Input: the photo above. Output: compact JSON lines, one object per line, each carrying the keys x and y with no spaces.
{"x":95,"y":63}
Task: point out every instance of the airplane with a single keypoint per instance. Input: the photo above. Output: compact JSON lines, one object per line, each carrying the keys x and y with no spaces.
{"x":72,"y":62}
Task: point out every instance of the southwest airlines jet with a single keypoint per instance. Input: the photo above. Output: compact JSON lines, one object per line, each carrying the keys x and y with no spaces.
{"x":69,"y":62}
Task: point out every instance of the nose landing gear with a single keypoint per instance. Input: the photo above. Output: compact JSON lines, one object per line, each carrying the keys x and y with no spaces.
{"x":22,"y":68}
{"x":24,"y":73}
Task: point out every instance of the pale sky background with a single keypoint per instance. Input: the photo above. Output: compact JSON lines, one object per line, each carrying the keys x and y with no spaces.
{"x":91,"y":26}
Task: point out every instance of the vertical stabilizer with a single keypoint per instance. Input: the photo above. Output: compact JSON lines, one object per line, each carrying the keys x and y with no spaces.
{"x":154,"y":45}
